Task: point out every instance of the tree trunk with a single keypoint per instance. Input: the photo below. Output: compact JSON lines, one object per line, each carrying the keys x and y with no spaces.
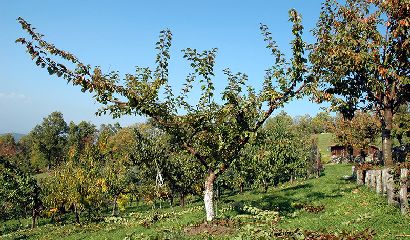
{"x":77,"y":217}
{"x":114,"y":205}
{"x":350,"y":151}
{"x":33,"y":218}
{"x":241,"y":188}
{"x":209,"y":195}
{"x":171,"y":199}
{"x":182,"y":200}
{"x":386,"y":136}
{"x":265,"y":186}
{"x":362,"y":156}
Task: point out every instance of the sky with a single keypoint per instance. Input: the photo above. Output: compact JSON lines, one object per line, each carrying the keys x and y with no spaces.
{"x":119,"y":35}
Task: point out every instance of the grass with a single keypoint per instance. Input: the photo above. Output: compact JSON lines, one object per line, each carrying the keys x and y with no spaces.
{"x":346,"y":207}
{"x":325,"y":140}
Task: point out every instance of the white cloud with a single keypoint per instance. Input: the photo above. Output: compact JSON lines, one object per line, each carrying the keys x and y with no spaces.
{"x":13,"y":96}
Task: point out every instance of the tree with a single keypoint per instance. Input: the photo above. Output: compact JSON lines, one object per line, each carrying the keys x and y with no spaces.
{"x":304,"y":124}
{"x":79,"y":136}
{"x":119,"y":161}
{"x":359,"y":132}
{"x":322,"y":122}
{"x":213,"y":132}
{"x":77,"y":184}
{"x":18,"y":192}
{"x":48,"y":140}
{"x":288,"y":149}
{"x":361,"y":59}
{"x":8,"y":146}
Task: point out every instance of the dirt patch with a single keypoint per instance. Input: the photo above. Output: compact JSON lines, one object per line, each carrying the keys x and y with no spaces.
{"x":215,"y":228}
{"x":310,"y":208}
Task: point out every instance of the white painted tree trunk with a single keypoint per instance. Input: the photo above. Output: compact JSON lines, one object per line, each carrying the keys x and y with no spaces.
{"x":209,"y":196}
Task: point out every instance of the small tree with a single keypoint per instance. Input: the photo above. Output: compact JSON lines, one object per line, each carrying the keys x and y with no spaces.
{"x":212,"y":131}
{"x":77,"y":184}
{"x":361,"y":59}
{"x":18,"y":192}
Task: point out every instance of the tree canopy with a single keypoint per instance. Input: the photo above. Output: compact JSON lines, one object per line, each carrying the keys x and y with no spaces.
{"x":361,"y":58}
{"x":212,"y":131}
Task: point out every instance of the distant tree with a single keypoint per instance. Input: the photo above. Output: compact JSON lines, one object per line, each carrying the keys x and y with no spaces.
{"x":118,"y":163}
{"x":213,"y":132}
{"x":322,"y":122}
{"x":48,"y":141}
{"x":8,"y":146}
{"x":78,"y":136}
{"x":359,"y":132}
{"x":361,"y":59}
{"x":314,"y":166}
{"x":304,"y":124}
{"x":280,"y":152}
{"x":181,"y":172}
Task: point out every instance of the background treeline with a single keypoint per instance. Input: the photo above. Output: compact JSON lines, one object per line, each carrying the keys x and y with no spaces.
{"x":61,"y":168}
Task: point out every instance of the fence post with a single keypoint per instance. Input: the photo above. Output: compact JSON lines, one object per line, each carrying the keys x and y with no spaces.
{"x":367,"y":178}
{"x":404,"y":205}
{"x":373,"y":179}
{"x":354,"y":172}
{"x":385,"y":173}
{"x":359,"y":179}
{"x":390,"y":188}
{"x":378,"y":177}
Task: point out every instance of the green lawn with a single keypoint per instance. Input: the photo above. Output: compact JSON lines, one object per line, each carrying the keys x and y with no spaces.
{"x":341,"y":206}
{"x":325,"y":140}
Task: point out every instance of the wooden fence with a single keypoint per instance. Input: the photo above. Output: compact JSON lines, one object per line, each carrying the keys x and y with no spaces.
{"x":383,"y":182}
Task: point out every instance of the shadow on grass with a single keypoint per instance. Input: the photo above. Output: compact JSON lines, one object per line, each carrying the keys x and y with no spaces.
{"x":288,"y":200}
{"x":292,"y":190}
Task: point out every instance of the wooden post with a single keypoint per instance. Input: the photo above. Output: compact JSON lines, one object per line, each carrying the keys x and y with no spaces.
{"x":385,"y":174}
{"x":360,"y":179}
{"x":378,"y":177}
{"x":354,"y":175}
{"x":390,"y":189}
{"x":373,"y":180}
{"x":404,"y":205}
{"x":367,"y":178}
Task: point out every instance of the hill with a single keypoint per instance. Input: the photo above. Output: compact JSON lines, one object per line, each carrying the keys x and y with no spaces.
{"x":325,"y":140}
{"x":16,"y":136}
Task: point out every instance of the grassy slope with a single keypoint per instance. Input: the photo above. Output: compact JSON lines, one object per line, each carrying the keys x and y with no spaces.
{"x":325,"y":140}
{"x":346,"y":208}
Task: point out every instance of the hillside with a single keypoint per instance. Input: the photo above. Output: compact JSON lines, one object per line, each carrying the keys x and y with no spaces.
{"x":328,"y":204}
{"x":325,"y":140}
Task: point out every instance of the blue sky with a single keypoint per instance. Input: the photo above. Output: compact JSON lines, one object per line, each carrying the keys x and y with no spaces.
{"x":119,"y":35}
